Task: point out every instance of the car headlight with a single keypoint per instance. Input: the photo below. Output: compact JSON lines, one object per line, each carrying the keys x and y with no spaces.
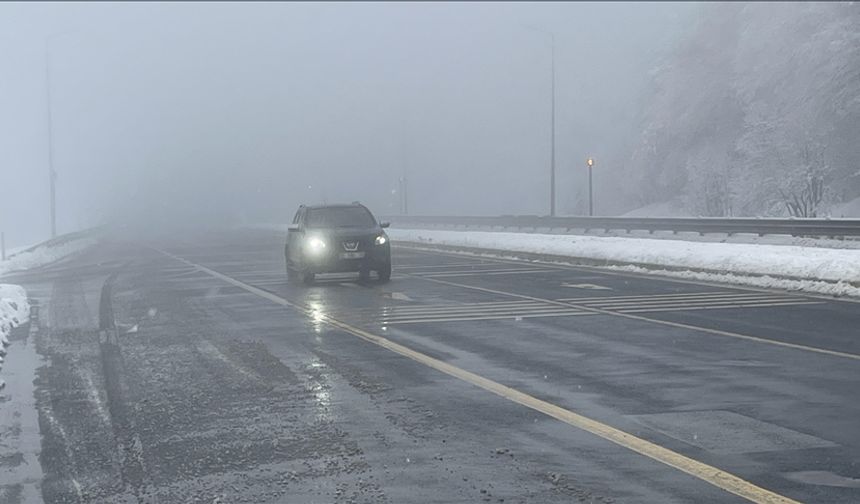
{"x":381,"y":239}
{"x":315,"y":245}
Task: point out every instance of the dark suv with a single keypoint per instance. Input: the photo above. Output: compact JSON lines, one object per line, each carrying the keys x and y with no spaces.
{"x":335,"y":239}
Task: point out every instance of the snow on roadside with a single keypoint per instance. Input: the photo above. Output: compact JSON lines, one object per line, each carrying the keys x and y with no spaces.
{"x":806,"y":266}
{"x":14,"y":312}
{"x":14,"y":309}
{"x":43,"y":255}
{"x":14,"y":306}
{"x":837,"y":289}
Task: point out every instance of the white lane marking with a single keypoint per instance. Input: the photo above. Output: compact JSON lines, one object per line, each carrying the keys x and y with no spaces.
{"x":585,"y":286}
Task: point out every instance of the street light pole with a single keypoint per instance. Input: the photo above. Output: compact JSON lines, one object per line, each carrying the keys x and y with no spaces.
{"x":52,"y":174}
{"x":552,"y":134}
{"x":590,"y":164}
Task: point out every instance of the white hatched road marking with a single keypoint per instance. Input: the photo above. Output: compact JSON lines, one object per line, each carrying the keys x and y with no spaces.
{"x":671,"y":296}
{"x":480,"y":272}
{"x":565,"y":313}
{"x":503,"y":310}
{"x":453,"y":265}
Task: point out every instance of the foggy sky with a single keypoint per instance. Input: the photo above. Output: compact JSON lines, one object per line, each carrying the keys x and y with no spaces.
{"x":231,"y":113}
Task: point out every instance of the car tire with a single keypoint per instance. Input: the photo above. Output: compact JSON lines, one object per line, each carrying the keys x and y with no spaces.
{"x":384,"y":273}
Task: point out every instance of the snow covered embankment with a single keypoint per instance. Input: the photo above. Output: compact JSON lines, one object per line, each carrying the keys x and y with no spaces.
{"x":14,"y":306}
{"x":44,"y":254}
{"x":811,"y":269}
{"x":14,"y":312}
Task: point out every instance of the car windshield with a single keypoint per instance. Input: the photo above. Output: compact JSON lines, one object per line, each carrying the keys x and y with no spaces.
{"x":340,"y":217}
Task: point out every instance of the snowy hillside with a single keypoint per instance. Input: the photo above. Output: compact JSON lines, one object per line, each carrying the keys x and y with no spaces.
{"x":756,"y":113}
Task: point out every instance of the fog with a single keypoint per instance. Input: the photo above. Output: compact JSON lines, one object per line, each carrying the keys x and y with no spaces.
{"x":236,"y":113}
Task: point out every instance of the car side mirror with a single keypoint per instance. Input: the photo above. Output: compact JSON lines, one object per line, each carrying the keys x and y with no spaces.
{"x":293,"y":228}
{"x":384,"y":224}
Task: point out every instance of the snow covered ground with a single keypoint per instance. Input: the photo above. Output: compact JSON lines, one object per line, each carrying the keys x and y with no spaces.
{"x":14,"y":312}
{"x":790,"y":267}
{"x":14,"y":309}
{"x":43,"y":254}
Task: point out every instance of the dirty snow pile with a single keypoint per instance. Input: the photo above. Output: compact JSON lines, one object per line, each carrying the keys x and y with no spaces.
{"x":806,"y":266}
{"x":14,"y":312}
{"x":43,"y":254}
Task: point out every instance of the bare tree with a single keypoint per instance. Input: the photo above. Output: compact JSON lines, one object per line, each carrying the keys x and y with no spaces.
{"x":804,"y":200}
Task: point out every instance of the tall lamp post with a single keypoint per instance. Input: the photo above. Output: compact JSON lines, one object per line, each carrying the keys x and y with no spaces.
{"x":52,"y":174}
{"x":590,"y":163}
{"x":551,"y":36}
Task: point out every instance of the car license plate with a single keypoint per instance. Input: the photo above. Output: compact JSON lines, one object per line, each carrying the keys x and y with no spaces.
{"x":352,"y":255}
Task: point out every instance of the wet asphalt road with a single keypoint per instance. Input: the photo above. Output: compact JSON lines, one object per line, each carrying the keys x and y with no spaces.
{"x":215,"y":393}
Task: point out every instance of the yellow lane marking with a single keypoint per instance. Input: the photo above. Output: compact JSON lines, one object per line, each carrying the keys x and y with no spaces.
{"x":719,"y":332}
{"x":710,"y":474}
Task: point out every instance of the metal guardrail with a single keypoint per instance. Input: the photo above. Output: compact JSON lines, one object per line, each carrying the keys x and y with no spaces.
{"x":836,"y":228}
